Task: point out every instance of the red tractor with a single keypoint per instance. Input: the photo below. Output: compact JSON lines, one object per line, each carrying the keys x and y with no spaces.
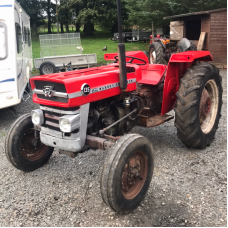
{"x":97,"y":107}
{"x":161,"y":49}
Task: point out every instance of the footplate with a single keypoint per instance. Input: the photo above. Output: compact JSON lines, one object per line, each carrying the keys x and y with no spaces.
{"x":146,"y":119}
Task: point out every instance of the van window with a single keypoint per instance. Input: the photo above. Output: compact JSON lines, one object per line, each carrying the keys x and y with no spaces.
{"x":3,"y":43}
{"x":18,"y":38}
{"x":29,"y":37}
{"x":25,"y":35}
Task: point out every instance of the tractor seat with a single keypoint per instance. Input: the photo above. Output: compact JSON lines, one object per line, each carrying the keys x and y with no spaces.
{"x":152,"y":74}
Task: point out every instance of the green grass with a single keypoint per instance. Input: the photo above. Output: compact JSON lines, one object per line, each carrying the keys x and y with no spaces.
{"x":94,"y":44}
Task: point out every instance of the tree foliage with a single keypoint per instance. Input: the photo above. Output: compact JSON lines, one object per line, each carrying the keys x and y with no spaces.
{"x":143,"y":12}
{"x":88,"y":13}
{"x":35,"y":9}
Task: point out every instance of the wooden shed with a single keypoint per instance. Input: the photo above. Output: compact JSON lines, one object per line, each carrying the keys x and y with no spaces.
{"x":213,"y":22}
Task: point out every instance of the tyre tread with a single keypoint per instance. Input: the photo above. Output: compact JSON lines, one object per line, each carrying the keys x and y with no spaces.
{"x":187,"y":104}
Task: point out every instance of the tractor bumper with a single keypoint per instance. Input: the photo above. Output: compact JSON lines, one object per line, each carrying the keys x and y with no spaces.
{"x":61,"y":144}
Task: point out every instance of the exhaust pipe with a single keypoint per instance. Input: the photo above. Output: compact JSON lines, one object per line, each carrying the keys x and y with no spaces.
{"x":121,"y":51}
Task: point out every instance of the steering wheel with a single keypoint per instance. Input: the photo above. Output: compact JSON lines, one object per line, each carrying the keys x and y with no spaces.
{"x":132,"y":59}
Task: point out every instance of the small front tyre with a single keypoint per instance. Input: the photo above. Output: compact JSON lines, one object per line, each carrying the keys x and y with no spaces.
{"x":127,"y":173}
{"x":23,"y":150}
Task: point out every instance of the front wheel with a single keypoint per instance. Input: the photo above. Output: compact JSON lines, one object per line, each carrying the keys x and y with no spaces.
{"x":198,"y":105}
{"x":23,"y":150}
{"x":127,"y":173}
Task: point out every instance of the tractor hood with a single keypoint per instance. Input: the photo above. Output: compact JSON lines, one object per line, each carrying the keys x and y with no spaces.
{"x":75,"y":88}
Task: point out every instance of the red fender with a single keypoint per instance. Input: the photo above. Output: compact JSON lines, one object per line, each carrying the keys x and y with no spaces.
{"x":178,"y":64}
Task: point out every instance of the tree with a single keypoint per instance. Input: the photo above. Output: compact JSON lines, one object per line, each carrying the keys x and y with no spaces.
{"x":35,"y":9}
{"x":143,"y":12}
{"x":103,"y":12}
{"x":49,"y":15}
{"x":65,"y":13}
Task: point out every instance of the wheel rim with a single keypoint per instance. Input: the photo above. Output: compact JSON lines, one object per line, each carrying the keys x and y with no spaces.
{"x":134,"y":175}
{"x":48,"y":69}
{"x":31,"y":151}
{"x":208,"y":106}
{"x":152,"y":56}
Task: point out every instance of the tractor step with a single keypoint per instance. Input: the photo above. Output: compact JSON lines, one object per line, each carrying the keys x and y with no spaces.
{"x":146,"y":119}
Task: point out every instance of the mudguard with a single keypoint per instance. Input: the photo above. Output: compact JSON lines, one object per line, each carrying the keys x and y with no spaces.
{"x":178,"y":64}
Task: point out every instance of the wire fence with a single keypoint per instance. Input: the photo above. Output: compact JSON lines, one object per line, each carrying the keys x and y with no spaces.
{"x":60,"y":44}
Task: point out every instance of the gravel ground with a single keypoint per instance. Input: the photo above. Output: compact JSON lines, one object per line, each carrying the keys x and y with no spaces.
{"x":189,"y":186}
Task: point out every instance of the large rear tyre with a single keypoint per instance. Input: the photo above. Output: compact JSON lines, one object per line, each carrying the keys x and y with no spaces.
{"x":198,"y":105}
{"x":23,"y":150}
{"x":127,"y":173}
{"x":156,"y":53}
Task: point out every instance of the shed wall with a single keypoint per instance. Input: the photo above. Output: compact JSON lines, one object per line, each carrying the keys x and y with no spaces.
{"x":218,"y":37}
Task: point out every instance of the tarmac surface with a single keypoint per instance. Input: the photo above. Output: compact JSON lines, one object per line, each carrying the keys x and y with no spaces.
{"x":189,"y":186}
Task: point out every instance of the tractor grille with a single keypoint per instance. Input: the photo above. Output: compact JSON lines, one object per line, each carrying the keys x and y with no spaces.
{"x":57,"y":87}
{"x":51,"y":121}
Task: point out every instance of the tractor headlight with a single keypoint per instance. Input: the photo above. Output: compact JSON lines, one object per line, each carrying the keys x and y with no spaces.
{"x":37,"y":117}
{"x":69,"y":123}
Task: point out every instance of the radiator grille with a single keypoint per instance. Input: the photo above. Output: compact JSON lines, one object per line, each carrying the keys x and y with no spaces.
{"x":58,"y":87}
{"x":51,"y":120}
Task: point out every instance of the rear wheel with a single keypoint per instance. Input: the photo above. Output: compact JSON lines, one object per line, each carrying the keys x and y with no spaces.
{"x":156,"y":53}
{"x":192,"y":46}
{"x":127,"y":173}
{"x":198,"y":105}
{"x":23,"y":150}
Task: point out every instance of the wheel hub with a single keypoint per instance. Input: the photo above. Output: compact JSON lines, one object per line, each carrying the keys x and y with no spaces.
{"x":48,"y":69}
{"x":205,"y":105}
{"x":208,"y":106}
{"x":31,"y":147}
{"x":152,"y":56}
{"x":134,"y":175}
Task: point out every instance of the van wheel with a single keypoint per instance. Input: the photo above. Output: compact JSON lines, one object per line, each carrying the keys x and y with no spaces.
{"x":198,"y":105}
{"x":127,"y":173}
{"x":156,"y":53}
{"x":47,"y":68}
{"x":23,"y":150}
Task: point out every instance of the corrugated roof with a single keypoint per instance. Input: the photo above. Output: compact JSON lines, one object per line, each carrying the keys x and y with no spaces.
{"x":195,"y":13}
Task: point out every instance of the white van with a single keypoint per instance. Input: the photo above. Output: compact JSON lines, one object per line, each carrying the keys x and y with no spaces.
{"x":16,"y":61}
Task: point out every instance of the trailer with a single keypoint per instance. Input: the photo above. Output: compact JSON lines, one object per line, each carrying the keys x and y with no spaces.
{"x":126,"y":36}
{"x":60,"y":49}
{"x":15,"y":53}
{"x":138,"y":35}
{"x":135,"y":36}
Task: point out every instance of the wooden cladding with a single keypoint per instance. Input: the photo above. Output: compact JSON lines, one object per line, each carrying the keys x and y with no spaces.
{"x":218,"y":37}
